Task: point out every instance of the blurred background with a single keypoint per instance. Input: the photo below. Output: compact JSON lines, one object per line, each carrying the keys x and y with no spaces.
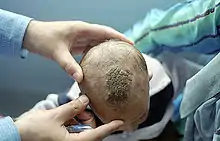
{"x":25,"y":82}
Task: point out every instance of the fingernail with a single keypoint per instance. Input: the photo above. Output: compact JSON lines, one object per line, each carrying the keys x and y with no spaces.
{"x":84,"y":99}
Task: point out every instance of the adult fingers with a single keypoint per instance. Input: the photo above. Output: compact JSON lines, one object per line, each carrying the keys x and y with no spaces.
{"x":106,"y":33}
{"x":67,"y":62}
{"x":70,"y":110}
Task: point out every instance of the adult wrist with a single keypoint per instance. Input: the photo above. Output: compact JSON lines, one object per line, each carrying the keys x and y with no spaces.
{"x":30,"y":37}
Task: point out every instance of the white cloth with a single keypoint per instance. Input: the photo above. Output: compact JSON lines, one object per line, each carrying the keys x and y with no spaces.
{"x":160,"y":77}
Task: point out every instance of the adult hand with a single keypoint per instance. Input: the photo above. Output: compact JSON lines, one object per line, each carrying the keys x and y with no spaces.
{"x":60,"y":40}
{"x":44,"y":125}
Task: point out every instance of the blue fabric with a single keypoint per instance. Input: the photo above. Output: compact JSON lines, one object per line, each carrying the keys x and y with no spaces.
{"x":201,"y":104}
{"x":201,"y":87}
{"x":12,"y":30}
{"x":188,"y":26}
{"x":192,"y":26}
{"x":204,"y":123}
{"x":176,"y":104}
{"x":8,"y":131}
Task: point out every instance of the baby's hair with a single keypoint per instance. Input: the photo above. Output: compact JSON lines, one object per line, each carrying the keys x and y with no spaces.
{"x":114,"y":59}
{"x":118,"y":84}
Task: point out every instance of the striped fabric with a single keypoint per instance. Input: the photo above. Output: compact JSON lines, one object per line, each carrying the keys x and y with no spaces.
{"x":188,"y":26}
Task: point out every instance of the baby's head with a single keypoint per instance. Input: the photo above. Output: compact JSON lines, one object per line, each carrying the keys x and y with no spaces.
{"x":116,"y":82}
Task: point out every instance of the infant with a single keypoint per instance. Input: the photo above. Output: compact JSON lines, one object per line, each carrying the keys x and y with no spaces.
{"x":116,"y":82}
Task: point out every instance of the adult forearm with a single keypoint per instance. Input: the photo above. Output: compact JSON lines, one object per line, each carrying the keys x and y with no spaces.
{"x":12,"y":31}
{"x":8,"y":130}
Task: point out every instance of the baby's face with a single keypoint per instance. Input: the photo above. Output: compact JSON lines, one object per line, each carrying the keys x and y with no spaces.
{"x":118,"y":88}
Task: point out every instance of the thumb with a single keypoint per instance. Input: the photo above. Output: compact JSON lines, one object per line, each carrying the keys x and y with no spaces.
{"x":68,"y":63}
{"x":70,"y":110}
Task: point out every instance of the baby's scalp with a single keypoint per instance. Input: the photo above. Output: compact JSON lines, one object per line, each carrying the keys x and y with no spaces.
{"x":115,"y":80}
